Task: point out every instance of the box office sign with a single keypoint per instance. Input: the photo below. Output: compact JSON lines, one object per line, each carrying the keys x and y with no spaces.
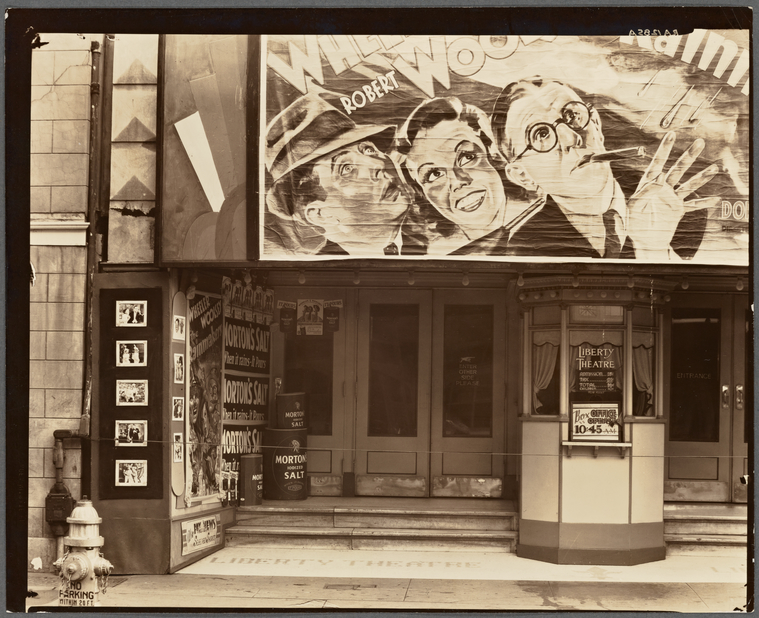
{"x":246,"y":346}
{"x":598,"y":368}
{"x":200,"y":534}
{"x":595,"y":422}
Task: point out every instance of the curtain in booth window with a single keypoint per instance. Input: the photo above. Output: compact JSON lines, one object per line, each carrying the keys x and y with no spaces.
{"x":543,"y":364}
{"x":643,"y":376}
{"x":615,"y":357}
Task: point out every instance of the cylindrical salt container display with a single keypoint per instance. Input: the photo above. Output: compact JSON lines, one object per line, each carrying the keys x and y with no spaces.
{"x":291,"y":411}
{"x":252,"y":480}
{"x":285,"y":464}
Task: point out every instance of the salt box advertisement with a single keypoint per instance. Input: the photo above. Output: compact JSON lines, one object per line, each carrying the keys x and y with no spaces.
{"x":534,"y":148}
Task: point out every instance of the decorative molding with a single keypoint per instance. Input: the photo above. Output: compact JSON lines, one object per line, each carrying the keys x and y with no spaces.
{"x":58,"y":233}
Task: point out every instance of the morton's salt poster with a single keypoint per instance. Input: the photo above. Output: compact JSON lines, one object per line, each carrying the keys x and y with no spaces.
{"x":536,"y":148}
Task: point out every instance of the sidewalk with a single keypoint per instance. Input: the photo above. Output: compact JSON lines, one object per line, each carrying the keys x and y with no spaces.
{"x":295,"y":579}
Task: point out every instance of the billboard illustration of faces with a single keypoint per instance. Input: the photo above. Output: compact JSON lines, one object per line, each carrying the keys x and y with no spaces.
{"x":631,"y":147}
{"x":533,"y":148}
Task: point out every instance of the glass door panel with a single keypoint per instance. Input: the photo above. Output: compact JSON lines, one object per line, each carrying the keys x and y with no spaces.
{"x":393,"y":370}
{"x":468,"y":370}
{"x":309,"y":368}
{"x":695,"y":380}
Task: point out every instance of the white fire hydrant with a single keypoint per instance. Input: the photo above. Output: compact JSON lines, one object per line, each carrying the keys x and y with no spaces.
{"x":83,"y":570}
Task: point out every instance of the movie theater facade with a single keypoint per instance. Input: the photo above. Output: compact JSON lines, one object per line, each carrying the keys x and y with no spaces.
{"x":413,"y":232}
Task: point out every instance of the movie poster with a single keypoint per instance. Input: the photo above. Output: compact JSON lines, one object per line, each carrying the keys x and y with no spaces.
{"x":204,"y":406}
{"x":534,"y":148}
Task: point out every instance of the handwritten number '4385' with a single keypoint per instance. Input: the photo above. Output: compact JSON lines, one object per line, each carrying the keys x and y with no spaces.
{"x":655,"y":32}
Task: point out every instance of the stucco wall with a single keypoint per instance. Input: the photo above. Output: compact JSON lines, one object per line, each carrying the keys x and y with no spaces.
{"x":60,"y":148}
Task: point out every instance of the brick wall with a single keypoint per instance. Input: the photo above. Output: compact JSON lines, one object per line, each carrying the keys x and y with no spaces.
{"x":60,"y":144}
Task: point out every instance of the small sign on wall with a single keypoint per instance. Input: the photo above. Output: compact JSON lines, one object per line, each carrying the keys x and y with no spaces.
{"x":595,"y":422}
{"x":287,"y":316}
{"x":200,"y":534}
{"x":310,"y":320}
{"x":332,"y":315}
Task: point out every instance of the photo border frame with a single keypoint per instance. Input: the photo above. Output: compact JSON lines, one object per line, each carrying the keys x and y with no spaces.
{"x":120,"y":403}
{"x":124,"y":303}
{"x":143,"y":423}
{"x":120,"y":342}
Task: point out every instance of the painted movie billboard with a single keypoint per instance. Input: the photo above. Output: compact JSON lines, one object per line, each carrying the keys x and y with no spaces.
{"x":535,"y":148}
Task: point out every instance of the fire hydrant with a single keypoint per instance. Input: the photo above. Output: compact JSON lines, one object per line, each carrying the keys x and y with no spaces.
{"x":83,"y":570}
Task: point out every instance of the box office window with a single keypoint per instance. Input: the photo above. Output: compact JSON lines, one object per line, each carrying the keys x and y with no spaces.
{"x":597,"y":337}
{"x":546,"y":315}
{"x":545,"y":372}
{"x":308,"y":369}
{"x":644,"y":372}
{"x":596,"y":314}
{"x":596,"y":373}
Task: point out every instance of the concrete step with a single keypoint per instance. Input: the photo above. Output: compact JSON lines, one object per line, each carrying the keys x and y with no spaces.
{"x":704,"y":529}
{"x":701,"y":526}
{"x":408,"y":539}
{"x":707,"y":510}
{"x":379,"y":518}
{"x":705,"y":545}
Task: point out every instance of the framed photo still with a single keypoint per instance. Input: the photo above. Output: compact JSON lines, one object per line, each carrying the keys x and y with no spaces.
{"x":131,"y":392}
{"x":132,"y":433}
{"x":178,"y":368}
{"x":178,"y":448}
{"x":131,"y":473}
{"x":177,"y":409}
{"x":178,"y":328}
{"x":131,"y":353}
{"x":131,"y":313}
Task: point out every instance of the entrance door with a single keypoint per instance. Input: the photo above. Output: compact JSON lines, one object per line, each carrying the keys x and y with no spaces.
{"x":392,"y":394}
{"x":430,"y":393}
{"x":707,"y":428}
{"x":315,"y":364}
{"x":468,"y":392}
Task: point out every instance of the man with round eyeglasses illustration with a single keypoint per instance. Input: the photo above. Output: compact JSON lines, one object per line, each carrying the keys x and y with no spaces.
{"x":548,"y":136}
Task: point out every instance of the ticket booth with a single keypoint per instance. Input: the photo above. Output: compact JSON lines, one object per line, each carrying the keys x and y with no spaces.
{"x":592,"y":423}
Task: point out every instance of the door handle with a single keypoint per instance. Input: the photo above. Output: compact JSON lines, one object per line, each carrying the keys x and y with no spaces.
{"x":739,"y":396}
{"x":725,"y":396}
